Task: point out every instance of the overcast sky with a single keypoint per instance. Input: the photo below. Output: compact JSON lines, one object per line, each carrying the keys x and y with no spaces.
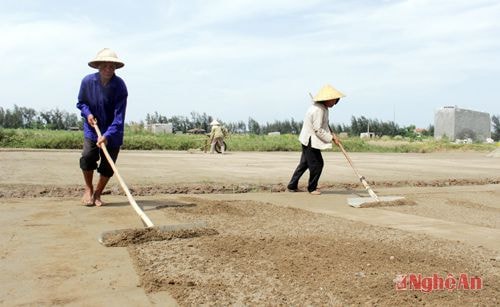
{"x":235,"y":59}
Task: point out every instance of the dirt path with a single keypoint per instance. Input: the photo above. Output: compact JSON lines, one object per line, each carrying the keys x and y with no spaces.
{"x":272,"y":247}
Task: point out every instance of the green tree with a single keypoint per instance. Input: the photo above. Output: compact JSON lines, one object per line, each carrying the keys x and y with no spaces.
{"x":359,"y":125}
{"x":253,"y":126}
{"x":495,"y":119}
{"x":28,"y":117}
{"x":14,"y":118}
{"x":237,"y":127}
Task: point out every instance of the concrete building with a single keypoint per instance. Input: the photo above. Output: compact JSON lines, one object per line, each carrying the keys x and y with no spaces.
{"x":367,"y":135}
{"x":160,"y":128}
{"x":456,"y":123}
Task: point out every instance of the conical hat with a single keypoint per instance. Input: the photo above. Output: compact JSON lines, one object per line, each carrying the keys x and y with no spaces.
{"x":106,"y":55}
{"x":328,"y":92}
{"x":214,"y":123}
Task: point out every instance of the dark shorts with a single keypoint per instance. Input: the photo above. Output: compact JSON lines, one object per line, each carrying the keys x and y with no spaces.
{"x":91,"y":154}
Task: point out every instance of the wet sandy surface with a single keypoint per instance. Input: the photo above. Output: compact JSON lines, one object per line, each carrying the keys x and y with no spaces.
{"x":272,"y":247}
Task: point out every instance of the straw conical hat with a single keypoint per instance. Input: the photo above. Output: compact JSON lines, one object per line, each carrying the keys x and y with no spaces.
{"x":106,"y":55}
{"x":214,"y":123}
{"x":328,"y":92}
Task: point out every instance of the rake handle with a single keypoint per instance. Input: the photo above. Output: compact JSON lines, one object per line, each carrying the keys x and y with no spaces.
{"x":361,"y":178}
{"x":349,"y":160}
{"x":131,"y":199}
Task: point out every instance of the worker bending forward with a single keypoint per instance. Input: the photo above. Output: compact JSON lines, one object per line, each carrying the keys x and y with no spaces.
{"x":315,"y":136}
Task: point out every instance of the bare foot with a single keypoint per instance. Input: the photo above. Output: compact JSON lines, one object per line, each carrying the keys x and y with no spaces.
{"x":98,"y":202}
{"x":87,"y":198}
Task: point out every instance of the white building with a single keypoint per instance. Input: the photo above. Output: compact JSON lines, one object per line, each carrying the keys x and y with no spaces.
{"x":159,"y":128}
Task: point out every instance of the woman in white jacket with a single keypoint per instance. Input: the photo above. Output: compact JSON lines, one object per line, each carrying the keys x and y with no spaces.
{"x":315,"y":136}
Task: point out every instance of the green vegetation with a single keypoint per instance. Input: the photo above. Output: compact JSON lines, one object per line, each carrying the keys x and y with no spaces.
{"x":28,"y":118}
{"x":35,"y":138}
{"x":495,"y":120}
{"x":142,"y":140}
{"x":23,"y":127}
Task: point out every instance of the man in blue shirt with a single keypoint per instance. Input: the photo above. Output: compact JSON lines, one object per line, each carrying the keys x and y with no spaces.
{"x":102,"y":98}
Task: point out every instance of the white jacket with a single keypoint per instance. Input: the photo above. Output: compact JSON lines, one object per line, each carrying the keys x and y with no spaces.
{"x":316,"y":127}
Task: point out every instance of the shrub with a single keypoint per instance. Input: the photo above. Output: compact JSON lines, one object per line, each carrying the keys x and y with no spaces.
{"x":140,"y":140}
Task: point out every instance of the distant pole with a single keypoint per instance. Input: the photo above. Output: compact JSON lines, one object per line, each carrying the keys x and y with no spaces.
{"x":394,"y":113}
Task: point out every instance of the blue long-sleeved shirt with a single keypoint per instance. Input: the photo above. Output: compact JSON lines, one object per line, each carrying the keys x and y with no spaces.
{"x":108,"y":105}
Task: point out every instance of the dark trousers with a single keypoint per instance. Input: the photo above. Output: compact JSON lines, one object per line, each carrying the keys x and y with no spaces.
{"x":311,"y":159}
{"x":91,"y":154}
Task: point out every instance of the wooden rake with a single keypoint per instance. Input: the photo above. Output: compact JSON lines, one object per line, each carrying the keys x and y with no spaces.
{"x":195,"y":227}
{"x":359,"y":201}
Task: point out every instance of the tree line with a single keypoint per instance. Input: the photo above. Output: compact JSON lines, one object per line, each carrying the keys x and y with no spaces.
{"x":358,"y":125}
{"x":28,"y":118}
{"x":202,"y":121}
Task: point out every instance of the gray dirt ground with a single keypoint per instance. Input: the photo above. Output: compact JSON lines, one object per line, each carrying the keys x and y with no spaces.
{"x":273,"y":247}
